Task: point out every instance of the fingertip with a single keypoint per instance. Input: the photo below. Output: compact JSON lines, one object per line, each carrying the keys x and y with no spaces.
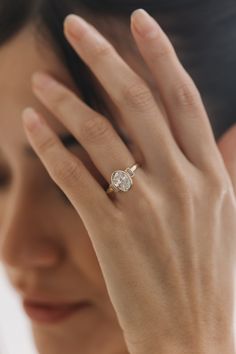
{"x":75,"y":26}
{"x":31,"y":119}
{"x":67,"y":21}
{"x":144,"y":24}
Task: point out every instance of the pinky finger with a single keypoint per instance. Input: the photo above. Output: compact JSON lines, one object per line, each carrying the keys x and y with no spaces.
{"x":66,"y":170}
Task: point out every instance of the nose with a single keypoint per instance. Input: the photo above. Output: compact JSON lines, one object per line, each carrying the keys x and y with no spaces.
{"x":27,"y":238}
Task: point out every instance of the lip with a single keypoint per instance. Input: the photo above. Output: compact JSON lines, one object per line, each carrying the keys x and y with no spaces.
{"x":52,"y":313}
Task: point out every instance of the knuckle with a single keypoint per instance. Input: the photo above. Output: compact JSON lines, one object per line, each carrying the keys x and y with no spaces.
{"x":181,"y":186}
{"x":102,"y":50}
{"x":67,"y":171}
{"x":185,"y":94}
{"x":63,"y":99}
{"x":146,"y":204}
{"x":217,"y":185}
{"x":137,"y":95}
{"x":46,"y":145}
{"x":96,"y":129}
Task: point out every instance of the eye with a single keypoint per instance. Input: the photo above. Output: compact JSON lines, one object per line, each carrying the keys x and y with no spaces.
{"x":4,"y":178}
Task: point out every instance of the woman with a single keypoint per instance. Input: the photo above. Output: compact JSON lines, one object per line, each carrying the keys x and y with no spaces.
{"x":145,"y":270}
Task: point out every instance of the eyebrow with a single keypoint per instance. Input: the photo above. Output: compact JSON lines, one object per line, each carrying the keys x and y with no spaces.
{"x":66,"y":138}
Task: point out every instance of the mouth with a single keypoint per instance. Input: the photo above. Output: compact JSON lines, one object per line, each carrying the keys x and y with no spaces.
{"x":52,"y":313}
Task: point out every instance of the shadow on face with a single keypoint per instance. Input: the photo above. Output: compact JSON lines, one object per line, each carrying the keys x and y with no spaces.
{"x":44,"y":246}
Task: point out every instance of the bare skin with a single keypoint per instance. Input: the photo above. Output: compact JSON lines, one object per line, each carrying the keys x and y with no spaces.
{"x":44,"y":244}
{"x":68,"y":254}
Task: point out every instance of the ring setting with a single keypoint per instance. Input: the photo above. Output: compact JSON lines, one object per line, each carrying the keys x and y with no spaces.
{"x":121,"y":181}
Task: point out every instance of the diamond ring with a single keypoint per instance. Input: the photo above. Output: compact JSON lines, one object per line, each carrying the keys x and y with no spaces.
{"x":121,"y":181}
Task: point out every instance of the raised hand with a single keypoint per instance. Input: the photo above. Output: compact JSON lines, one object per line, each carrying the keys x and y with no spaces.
{"x":165,"y":247}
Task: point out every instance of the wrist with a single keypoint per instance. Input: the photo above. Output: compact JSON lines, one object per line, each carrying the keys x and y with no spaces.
{"x":214,"y":338}
{"x":179,"y":350}
{"x":202,"y":347}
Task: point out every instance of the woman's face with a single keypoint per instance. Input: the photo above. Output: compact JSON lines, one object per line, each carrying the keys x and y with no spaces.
{"x":45,"y":248}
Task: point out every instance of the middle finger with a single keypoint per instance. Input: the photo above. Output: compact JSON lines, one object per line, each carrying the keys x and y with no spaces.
{"x":97,"y":135}
{"x":140,"y":112}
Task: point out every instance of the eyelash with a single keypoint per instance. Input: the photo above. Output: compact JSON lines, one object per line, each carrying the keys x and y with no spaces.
{"x":4,"y":183}
{"x":3,"y":180}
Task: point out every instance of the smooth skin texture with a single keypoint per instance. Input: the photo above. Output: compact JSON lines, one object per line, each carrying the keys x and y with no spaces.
{"x":180,"y":214}
{"x":44,"y":245}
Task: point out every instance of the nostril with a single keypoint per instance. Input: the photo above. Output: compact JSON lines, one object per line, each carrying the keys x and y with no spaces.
{"x":28,"y":254}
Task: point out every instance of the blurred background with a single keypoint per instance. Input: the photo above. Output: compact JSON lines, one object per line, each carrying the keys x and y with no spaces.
{"x":209,"y":55}
{"x":15,"y":333}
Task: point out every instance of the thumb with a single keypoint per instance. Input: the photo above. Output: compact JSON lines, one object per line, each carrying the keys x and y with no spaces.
{"x":227,"y":147}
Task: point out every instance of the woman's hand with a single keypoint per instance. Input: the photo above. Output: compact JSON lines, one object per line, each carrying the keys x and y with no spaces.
{"x":166,"y":247}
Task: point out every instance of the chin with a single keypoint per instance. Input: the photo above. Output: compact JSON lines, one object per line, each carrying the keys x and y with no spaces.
{"x":71,"y":336}
{"x":87,"y":334}
{"x":57,"y":343}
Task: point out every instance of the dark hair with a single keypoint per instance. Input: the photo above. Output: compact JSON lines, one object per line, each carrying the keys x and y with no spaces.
{"x":202,"y":31}
{"x":48,"y":16}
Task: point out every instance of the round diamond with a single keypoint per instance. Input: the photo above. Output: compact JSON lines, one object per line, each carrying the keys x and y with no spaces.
{"x":121,"y":180}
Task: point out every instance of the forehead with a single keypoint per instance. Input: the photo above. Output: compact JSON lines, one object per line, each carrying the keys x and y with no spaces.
{"x":19,"y":59}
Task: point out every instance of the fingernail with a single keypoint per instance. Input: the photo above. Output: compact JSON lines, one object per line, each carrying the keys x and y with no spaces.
{"x":145,"y":25}
{"x":41,"y":80}
{"x":75,"y":25}
{"x":31,"y":119}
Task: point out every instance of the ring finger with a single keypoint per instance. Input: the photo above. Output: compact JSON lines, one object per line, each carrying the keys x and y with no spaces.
{"x":141,"y":115}
{"x":96,"y":134}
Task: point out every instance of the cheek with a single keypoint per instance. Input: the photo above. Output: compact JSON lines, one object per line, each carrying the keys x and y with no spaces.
{"x":79,"y":248}
{"x":3,"y":201}
{"x":4,"y":210}
{"x":1,"y":227}
{"x":84,"y":256}
{"x":78,"y":242}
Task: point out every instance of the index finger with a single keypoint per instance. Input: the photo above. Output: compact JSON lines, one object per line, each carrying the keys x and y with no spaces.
{"x":128,"y":91}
